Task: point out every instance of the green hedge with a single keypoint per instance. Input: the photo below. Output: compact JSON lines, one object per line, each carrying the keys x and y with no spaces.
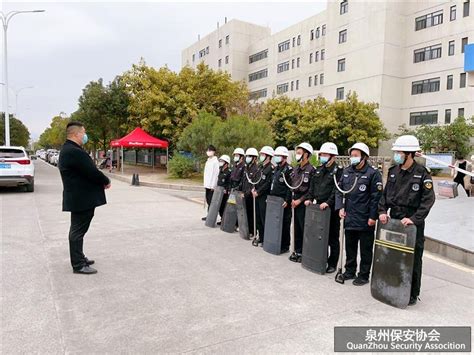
{"x":181,"y":167}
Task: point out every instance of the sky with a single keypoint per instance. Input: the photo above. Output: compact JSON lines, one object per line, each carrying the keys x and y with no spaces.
{"x":61,"y":50}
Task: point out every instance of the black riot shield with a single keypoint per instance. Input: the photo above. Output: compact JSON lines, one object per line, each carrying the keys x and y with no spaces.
{"x":242,"y":216}
{"x":229,"y":219}
{"x":315,"y":239}
{"x":392,"y":268}
{"x":273,"y":225}
{"x":214,"y":207}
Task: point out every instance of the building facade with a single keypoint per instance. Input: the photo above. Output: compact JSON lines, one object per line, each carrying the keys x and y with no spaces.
{"x":410,"y":57}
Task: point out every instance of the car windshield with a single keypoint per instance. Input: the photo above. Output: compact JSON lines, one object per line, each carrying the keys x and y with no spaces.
{"x":11,"y":153}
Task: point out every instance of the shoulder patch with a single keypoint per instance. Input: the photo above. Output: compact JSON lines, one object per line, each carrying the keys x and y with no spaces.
{"x":428,"y":184}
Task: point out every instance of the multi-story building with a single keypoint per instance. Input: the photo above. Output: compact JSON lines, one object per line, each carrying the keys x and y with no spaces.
{"x":411,"y":57}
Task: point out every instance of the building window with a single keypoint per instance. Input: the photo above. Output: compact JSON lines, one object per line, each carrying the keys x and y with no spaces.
{"x":226,"y":59}
{"x":317,"y":32}
{"x":284,"y":46}
{"x":294,"y":41}
{"x":283,"y":67}
{"x":321,"y":79}
{"x":461,"y":112}
{"x":258,"y":75}
{"x":463,"y":44}
{"x":452,"y":13}
{"x":343,"y":36}
{"x":219,"y":63}
{"x":451,"y":48}
{"x":292,"y":64}
{"x":310,"y":58}
{"x":310,"y":81}
{"x":316,"y":56}
{"x":255,"y":95}
{"x":220,"y":43}
{"x":258,"y":56}
{"x":343,"y":7}
{"x":430,"y":20}
{"x":449,"y":82}
{"x":316,"y":80}
{"x":311,"y":35}
{"x":427,"y":53}
{"x":424,"y":117}
{"x":207,"y":50}
{"x":298,"y":40}
{"x":462,"y":80}
{"x":202,"y":53}
{"x":323,"y":30}
{"x":447,"y":116}
{"x":194,"y":57}
{"x":292,"y":85}
{"x":341,"y":65}
{"x":298,"y":62}
{"x":323,"y":52}
{"x":297,"y":84}
{"x":282,"y":88}
{"x":227,"y":39}
{"x":424,"y":86}
{"x":340,"y":94}
{"x":465,"y":8}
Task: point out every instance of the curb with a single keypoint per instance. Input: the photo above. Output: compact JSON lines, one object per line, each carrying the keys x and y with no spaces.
{"x":449,"y":251}
{"x":158,"y":185}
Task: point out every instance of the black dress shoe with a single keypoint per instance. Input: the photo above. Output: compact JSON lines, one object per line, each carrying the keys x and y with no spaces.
{"x":360,"y":281}
{"x":90,"y":262}
{"x":219,"y":223}
{"x":203,"y":218}
{"x":330,"y":270}
{"x":86,"y":270}
{"x":348,"y":276}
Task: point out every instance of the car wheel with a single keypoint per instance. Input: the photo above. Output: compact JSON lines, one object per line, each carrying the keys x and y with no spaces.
{"x":30,"y":187}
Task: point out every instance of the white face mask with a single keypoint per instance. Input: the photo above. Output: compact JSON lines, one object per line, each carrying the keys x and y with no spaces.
{"x":248,"y":160}
{"x":298,"y":157}
{"x":221,"y":164}
{"x":278,"y":160}
{"x":236,"y":158}
{"x":262,"y":158}
{"x":210,"y":153}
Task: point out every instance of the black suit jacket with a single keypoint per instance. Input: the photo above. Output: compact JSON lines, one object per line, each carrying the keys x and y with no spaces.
{"x":83,"y":183}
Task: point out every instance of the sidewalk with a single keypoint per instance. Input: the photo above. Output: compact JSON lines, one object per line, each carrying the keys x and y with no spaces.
{"x":155,"y":178}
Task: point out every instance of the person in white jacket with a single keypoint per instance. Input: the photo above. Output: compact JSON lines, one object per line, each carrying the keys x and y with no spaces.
{"x":211,"y":173}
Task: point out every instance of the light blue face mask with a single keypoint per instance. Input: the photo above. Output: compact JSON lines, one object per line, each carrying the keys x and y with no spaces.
{"x":262,"y":158}
{"x":323,"y":160}
{"x":277,"y":160}
{"x":85,"y":139}
{"x":248,"y":160}
{"x":398,"y":158}
{"x":355,"y":160}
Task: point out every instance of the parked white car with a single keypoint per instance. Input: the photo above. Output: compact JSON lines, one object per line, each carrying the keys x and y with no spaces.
{"x":16,"y":168}
{"x":54,"y":158}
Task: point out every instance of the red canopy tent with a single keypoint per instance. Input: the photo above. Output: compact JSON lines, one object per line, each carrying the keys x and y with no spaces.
{"x":138,"y":138}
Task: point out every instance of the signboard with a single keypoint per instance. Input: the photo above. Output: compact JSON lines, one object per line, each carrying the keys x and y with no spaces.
{"x":447,"y":158}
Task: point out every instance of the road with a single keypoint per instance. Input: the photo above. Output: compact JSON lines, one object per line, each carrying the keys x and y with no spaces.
{"x":166,"y":283}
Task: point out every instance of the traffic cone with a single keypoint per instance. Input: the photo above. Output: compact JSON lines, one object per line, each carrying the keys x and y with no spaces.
{"x":134,"y":180}
{"x":137,"y":181}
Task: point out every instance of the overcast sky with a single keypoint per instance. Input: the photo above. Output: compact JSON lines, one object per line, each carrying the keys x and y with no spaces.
{"x":58,"y":52}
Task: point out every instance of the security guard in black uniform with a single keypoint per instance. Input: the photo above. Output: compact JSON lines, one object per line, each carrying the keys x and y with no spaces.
{"x":301,"y":176}
{"x":279,"y":188}
{"x":360,"y":212}
{"x":223,"y":180}
{"x":323,"y":192}
{"x":261,"y":191}
{"x":409,"y":196}
{"x":238,"y":168}
{"x":250,"y":172}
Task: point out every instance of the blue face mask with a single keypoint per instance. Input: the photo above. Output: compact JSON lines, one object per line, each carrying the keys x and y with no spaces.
{"x":398,"y":158}
{"x":323,"y":160}
{"x":85,"y":139}
{"x":277,"y":160}
{"x":248,"y":160}
{"x":355,"y":160}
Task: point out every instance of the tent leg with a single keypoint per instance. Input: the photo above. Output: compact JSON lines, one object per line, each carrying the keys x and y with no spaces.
{"x":153,"y":158}
{"x":122,"y":160}
{"x":167,"y":160}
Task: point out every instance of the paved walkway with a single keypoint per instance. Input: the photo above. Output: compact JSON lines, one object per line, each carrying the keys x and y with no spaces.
{"x":168,"y":284}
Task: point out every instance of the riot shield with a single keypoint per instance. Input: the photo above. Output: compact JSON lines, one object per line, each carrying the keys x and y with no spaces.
{"x":392,"y":268}
{"x":214,"y":207}
{"x":242,"y":216}
{"x":229,"y":219}
{"x":315,"y":239}
{"x":273,"y":225}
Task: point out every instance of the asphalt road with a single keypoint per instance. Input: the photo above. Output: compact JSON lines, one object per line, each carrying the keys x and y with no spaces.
{"x":167,"y":283}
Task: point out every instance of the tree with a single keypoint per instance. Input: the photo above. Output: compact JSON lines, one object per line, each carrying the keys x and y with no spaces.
{"x":55,"y":135}
{"x":19,"y":133}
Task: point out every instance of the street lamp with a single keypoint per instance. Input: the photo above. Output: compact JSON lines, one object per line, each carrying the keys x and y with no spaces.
{"x":5,"y":20}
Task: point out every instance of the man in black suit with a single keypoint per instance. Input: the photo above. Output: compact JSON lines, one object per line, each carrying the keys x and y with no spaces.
{"x":83,"y":191}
